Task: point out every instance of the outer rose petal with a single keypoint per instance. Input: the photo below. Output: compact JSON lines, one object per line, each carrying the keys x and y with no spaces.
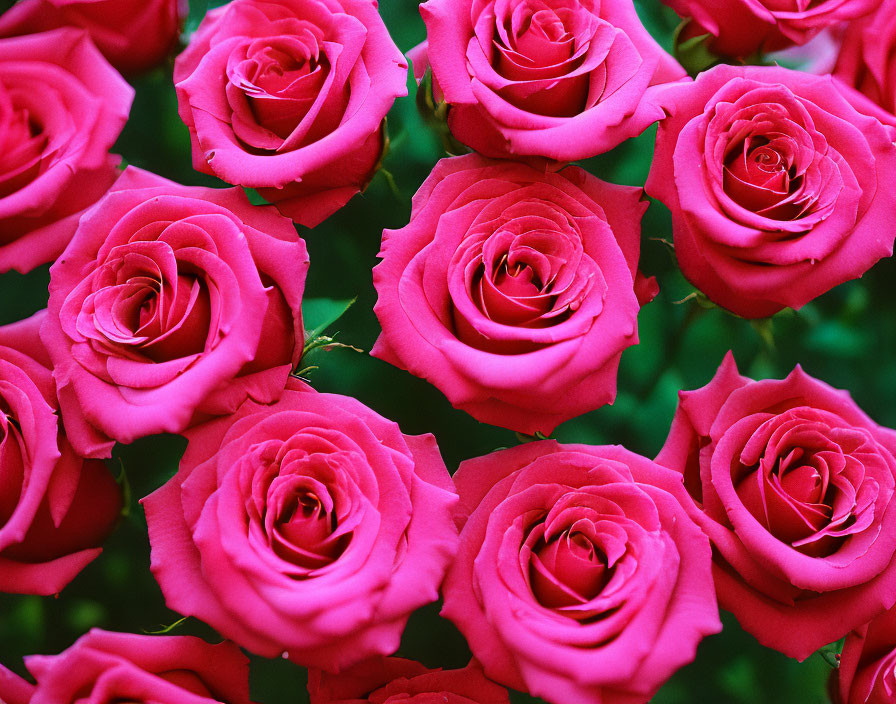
{"x":13,"y":689}
{"x":129,"y":667}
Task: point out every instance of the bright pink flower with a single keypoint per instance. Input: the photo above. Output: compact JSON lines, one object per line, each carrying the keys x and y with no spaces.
{"x":794,"y":485}
{"x":289,"y":97}
{"x":579,"y":578}
{"x":171,"y":304}
{"x":312,"y":526}
{"x":514,"y":290}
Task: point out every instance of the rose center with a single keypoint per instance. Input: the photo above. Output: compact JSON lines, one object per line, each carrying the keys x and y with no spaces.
{"x":282,"y":79}
{"x":22,"y":141}
{"x":569,"y":570}
{"x":176,"y":322}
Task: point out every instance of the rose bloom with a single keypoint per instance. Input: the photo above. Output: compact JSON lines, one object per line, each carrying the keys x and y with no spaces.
{"x":290,"y":97}
{"x":109,"y":668}
{"x":867,"y":672}
{"x":780,"y":189}
{"x":579,"y":578}
{"x":171,"y":303}
{"x":741,"y":28}
{"x":564,"y":80}
{"x":61,"y":109}
{"x":312,"y":527}
{"x":513,"y":290}
{"x":399,"y":681}
{"x":793,"y":484}
{"x":55,"y":507}
{"x":867,"y":58}
{"x":134,"y":35}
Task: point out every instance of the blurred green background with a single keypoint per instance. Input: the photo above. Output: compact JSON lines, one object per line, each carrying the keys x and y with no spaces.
{"x":846,"y":337}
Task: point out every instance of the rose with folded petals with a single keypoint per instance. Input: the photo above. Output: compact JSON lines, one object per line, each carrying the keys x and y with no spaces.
{"x":867,"y":58}
{"x":579,"y":578}
{"x":311,"y":527}
{"x":867,"y":672}
{"x":55,"y":507}
{"x":61,"y":108}
{"x":171,"y":303}
{"x":564,"y":80}
{"x":514,"y":291}
{"x":780,"y":189}
{"x":112,"y":668}
{"x":794,"y":485}
{"x":290,"y":97}
{"x":741,"y":28}
{"x":134,"y":35}
{"x":396,"y":680}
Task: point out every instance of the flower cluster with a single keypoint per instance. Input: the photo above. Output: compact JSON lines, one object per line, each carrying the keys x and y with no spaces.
{"x":306,"y":525}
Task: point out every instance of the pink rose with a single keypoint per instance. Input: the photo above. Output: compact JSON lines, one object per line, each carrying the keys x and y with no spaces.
{"x":312,"y":527}
{"x":61,"y":109}
{"x":400,"y":681}
{"x":564,"y":80}
{"x":134,"y":35}
{"x":289,"y":97}
{"x":867,"y":672}
{"x":171,"y":302}
{"x":514,"y":290}
{"x":780,"y":189}
{"x":794,"y":486}
{"x":867,"y":59}
{"x":741,"y":28}
{"x":55,"y":507}
{"x":104,"y":667}
{"x":579,"y":578}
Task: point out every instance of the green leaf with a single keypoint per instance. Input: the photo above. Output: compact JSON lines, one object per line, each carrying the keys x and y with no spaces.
{"x":694,"y":53}
{"x":167,"y":629}
{"x":321,"y":313}
{"x":127,"y":495}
